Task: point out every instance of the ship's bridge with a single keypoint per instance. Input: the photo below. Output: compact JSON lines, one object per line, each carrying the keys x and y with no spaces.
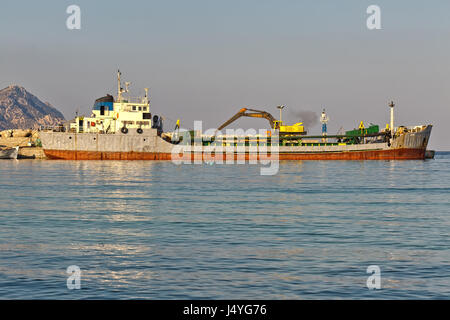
{"x":103,"y":106}
{"x":122,"y":114}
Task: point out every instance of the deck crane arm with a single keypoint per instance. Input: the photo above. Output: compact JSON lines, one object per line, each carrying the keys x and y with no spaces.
{"x":274,"y":124}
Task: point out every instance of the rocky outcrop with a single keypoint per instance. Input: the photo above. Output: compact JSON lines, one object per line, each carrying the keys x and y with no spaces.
{"x":19,"y":109}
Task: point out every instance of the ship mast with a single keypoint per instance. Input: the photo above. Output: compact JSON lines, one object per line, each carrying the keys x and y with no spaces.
{"x":119,"y":89}
{"x":392,"y":105}
{"x":281,"y":108}
{"x":146,"y":95}
{"x":324,"y":120}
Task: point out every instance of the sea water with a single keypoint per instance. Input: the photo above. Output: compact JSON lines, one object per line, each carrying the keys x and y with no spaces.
{"x":156,"y":230}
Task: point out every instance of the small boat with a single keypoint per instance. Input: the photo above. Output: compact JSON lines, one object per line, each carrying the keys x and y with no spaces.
{"x":9,"y":153}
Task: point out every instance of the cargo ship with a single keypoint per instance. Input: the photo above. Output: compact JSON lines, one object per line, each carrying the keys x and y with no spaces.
{"x":123,"y":128}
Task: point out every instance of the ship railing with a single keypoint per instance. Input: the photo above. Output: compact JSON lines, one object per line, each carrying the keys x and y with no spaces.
{"x":138,"y":100}
{"x":416,"y":128}
{"x":404,"y":129}
{"x":57,"y":128}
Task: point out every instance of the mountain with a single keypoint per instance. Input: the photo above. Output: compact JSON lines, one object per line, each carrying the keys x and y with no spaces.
{"x":19,"y":109}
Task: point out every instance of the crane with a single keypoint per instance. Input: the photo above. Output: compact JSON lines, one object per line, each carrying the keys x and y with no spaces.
{"x":274,"y":123}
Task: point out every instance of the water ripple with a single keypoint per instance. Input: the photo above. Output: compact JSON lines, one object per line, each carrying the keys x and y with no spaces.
{"x":155,"y":230}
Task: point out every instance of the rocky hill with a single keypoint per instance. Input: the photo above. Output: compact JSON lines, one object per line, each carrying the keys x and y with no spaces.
{"x":20,"y":109}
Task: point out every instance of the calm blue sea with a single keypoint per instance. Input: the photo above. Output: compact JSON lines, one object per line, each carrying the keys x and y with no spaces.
{"x":155,"y":230}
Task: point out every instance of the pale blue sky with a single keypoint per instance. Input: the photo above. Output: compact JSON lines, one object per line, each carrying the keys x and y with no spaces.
{"x":204,"y":60}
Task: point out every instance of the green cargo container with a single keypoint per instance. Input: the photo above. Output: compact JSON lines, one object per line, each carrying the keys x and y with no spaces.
{"x":359,"y":132}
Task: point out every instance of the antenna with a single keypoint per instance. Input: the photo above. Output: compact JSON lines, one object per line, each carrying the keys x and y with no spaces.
{"x":119,"y":88}
{"x":281,"y":108}
{"x":127,"y":84}
{"x":146,"y":94}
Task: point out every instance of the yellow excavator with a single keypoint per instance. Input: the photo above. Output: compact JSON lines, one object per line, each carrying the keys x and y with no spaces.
{"x":274,"y":123}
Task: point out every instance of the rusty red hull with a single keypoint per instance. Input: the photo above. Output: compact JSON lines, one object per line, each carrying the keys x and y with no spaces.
{"x":391,"y":154}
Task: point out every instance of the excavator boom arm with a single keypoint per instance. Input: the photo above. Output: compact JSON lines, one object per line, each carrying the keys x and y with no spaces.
{"x":274,"y":124}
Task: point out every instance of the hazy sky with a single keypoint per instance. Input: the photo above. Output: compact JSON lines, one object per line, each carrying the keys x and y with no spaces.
{"x":204,"y":60}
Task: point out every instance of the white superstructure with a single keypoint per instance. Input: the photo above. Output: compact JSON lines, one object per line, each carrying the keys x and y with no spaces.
{"x":122,"y":114}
